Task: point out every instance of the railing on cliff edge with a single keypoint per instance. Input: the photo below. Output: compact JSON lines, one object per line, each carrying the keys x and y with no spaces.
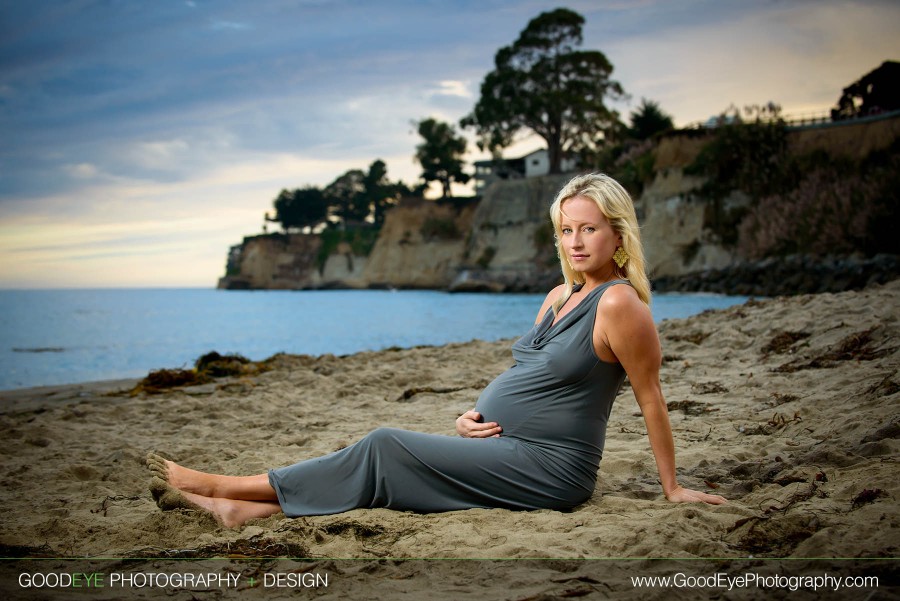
{"x":796,"y":121}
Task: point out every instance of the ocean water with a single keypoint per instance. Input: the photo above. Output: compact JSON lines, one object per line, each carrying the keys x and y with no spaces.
{"x":52,"y":337}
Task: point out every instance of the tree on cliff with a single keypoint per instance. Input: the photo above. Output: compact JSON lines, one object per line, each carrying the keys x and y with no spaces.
{"x":544,"y":84}
{"x":358,"y":196}
{"x":301,"y":208}
{"x":875,"y":92}
{"x":441,"y":154}
{"x":649,"y":119}
{"x":345,"y":197}
{"x":379,"y":192}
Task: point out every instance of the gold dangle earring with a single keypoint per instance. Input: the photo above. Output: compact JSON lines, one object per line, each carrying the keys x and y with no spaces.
{"x":620,"y":257}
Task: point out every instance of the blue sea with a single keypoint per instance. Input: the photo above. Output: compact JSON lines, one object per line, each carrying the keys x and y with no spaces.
{"x":52,"y":337}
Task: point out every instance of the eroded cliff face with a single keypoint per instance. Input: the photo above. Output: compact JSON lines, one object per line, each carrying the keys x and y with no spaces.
{"x":343,"y":269}
{"x":271,"y":262}
{"x":510,"y":246}
{"x":675,"y":223}
{"x":674,"y":226}
{"x":421,"y":245}
{"x":853,"y":139}
{"x":290,"y":262}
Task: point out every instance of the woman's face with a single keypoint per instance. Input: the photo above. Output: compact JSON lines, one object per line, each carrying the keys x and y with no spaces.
{"x":588,"y":239}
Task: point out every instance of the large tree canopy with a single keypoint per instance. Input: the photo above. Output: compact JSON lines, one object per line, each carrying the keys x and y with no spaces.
{"x":441,"y":154}
{"x":544,"y":84}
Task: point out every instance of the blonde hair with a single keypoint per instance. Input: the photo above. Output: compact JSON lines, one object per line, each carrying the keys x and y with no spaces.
{"x":616,"y":205}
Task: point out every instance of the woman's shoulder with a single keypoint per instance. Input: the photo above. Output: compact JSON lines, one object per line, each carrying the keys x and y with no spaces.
{"x":555,"y":293}
{"x":622,"y":300}
{"x":626,"y":322}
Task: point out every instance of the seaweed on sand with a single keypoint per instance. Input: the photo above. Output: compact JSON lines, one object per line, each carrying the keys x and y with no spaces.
{"x":207,"y":368}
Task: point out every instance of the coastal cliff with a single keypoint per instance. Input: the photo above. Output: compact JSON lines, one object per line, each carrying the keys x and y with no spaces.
{"x":503,"y":241}
{"x":510,"y":245}
{"x":421,"y":245}
{"x":291,"y":262}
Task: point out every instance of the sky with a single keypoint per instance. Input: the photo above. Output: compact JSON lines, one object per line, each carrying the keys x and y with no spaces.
{"x":140,"y":140}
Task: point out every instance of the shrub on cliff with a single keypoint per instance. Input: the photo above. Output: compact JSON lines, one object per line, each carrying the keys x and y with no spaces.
{"x":361,"y":239}
{"x":838,"y":208}
{"x":751,"y":157}
{"x":823,"y":215}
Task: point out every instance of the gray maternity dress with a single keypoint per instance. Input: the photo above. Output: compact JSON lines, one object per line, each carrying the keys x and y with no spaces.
{"x":553,"y":406}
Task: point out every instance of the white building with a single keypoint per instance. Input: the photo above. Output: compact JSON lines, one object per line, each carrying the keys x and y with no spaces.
{"x":532,"y":164}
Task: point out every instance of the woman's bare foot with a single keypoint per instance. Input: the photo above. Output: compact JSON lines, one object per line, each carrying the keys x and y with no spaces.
{"x":180,"y":477}
{"x":167,"y":497}
{"x":232,"y":513}
{"x":243,"y":488}
{"x":227,"y":512}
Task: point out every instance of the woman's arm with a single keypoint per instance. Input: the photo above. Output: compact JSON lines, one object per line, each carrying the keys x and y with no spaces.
{"x":625,"y":326}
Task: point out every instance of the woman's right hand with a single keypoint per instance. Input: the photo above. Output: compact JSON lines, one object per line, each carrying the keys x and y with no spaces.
{"x":469,"y":426}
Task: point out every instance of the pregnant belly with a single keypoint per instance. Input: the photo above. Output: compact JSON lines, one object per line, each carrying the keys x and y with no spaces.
{"x":509,"y":406}
{"x":533,"y":413}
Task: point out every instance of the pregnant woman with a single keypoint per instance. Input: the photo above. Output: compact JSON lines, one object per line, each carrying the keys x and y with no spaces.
{"x":535,"y":437}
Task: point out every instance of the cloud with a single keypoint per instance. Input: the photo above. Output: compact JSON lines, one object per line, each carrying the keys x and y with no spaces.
{"x":82,"y":170}
{"x":177,"y":156}
{"x":454,"y":88}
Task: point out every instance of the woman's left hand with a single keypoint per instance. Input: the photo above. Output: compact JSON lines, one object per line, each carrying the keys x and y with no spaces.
{"x":469,"y":425}
{"x":686,"y":495}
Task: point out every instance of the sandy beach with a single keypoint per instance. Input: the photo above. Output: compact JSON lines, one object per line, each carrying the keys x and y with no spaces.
{"x":788,"y":407}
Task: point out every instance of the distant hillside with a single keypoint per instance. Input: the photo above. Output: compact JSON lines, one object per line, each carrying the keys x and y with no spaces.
{"x":503,"y":242}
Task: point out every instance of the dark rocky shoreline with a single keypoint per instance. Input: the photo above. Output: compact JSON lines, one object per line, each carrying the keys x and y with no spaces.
{"x":785,"y":276}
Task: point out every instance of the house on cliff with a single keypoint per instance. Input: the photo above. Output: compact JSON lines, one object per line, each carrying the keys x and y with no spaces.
{"x":533,"y":164}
